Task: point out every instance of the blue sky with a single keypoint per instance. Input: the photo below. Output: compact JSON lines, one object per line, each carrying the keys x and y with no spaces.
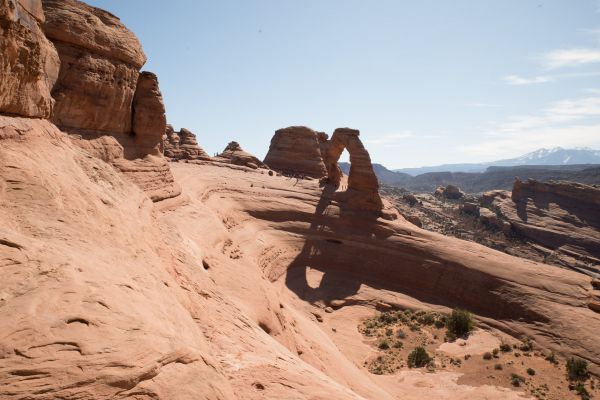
{"x":426,"y":82}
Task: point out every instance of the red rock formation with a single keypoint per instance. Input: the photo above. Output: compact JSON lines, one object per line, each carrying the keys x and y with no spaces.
{"x":363,"y":187}
{"x":149,"y":120}
{"x":296,"y":150}
{"x":562,"y":216}
{"x":236,"y":155}
{"x":100,"y":93}
{"x":29,"y":64}
{"x":182,"y":145}
{"x":100,"y":60}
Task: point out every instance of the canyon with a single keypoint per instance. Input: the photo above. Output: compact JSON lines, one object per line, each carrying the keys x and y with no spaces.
{"x":137,"y":266}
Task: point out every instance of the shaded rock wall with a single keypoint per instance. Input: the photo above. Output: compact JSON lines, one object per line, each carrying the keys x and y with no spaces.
{"x":149,"y":120}
{"x":561,"y":216}
{"x":29,"y":64}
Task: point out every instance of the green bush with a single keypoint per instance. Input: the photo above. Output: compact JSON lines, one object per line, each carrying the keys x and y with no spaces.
{"x":577,"y":368}
{"x":418,"y":358}
{"x":505,"y":348}
{"x":582,"y":391}
{"x":383,"y":344}
{"x":401,"y":335}
{"x":487,"y":356}
{"x":460,"y":323}
{"x":516,"y":380}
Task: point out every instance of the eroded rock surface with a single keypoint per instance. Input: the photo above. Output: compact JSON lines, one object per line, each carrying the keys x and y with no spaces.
{"x":29,"y":64}
{"x":182,"y":145}
{"x":100,"y":60}
{"x":238,"y":156}
{"x":561,"y":216}
{"x":149,"y":120}
{"x":296,"y":150}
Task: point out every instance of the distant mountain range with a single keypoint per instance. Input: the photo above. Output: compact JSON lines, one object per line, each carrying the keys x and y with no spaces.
{"x":555,"y":156}
{"x":579,"y":165}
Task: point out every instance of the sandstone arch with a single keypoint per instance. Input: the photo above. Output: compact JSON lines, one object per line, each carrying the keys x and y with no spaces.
{"x":363,"y":186}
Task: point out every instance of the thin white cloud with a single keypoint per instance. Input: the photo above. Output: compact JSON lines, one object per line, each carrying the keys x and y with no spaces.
{"x":570,"y":57}
{"x":566,"y":123}
{"x":518,"y":80}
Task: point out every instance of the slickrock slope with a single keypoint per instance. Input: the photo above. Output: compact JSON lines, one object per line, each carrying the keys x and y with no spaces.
{"x":29,"y":64}
{"x":237,"y":156}
{"x":296,"y":150}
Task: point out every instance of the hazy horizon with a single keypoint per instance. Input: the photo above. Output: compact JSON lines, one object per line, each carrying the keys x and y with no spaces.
{"x":426,"y":83}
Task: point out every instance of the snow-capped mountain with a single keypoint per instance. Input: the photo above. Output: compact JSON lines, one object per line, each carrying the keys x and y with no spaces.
{"x":554,"y":156}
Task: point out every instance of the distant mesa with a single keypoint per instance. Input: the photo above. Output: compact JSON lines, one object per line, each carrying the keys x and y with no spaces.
{"x":301,"y":151}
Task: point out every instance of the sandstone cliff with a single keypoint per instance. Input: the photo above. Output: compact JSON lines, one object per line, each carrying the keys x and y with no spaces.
{"x":29,"y":65}
{"x":561,"y":216}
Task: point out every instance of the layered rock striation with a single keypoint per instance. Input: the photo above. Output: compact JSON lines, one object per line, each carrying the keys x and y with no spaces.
{"x":560,"y":216}
{"x":296,"y":150}
{"x":182,"y":145}
{"x":29,"y":64}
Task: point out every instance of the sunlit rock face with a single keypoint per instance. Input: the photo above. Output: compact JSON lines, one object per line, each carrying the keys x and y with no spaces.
{"x":29,"y":64}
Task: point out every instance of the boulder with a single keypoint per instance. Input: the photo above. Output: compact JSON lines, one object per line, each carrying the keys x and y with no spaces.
{"x":236,"y":155}
{"x":453,"y":192}
{"x":29,"y":64}
{"x":470,"y":208}
{"x":410,"y":198}
{"x":296,"y":150}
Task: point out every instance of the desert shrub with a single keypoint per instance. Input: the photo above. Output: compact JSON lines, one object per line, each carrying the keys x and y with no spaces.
{"x":439,"y":323}
{"x":398,"y":344}
{"x":401,"y":335}
{"x":526,"y":346}
{"x":505,"y":348}
{"x":551,"y":358}
{"x":418,"y":358}
{"x":387,"y":318}
{"x":389,"y":332}
{"x":582,"y":391}
{"x":460,"y":322}
{"x":383,"y":344}
{"x":498,"y":367}
{"x":516,"y":380}
{"x":426,"y":319}
{"x":495,"y":352}
{"x":530,"y":371}
{"x":577,"y":368}
{"x":487,"y":355}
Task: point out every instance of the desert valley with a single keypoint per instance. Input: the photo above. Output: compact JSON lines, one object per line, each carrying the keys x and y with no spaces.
{"x":135,"y":265}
